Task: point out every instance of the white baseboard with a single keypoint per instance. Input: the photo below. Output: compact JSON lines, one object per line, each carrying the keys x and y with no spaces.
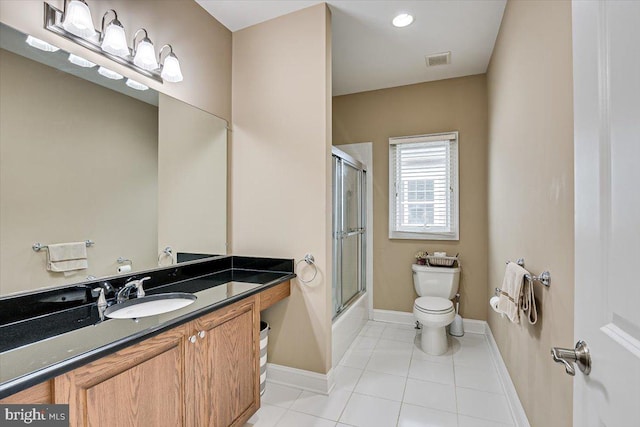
{"x":519,"y":416}
{"x":299,"y":378}
{"x":473,"y":326}
{"x":470,"y":325}
{"x":391,"y":316}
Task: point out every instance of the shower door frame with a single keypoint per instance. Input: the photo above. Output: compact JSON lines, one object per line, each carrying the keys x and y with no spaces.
{"x":339,"y":158}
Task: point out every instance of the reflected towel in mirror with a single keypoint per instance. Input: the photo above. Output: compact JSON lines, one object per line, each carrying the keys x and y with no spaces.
{"x":63,"y":257}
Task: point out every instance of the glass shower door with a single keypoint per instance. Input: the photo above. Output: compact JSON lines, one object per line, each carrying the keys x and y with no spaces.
{"x":349,"y":232}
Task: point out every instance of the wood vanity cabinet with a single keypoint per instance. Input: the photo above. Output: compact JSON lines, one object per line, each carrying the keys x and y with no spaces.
{"x":203,"y":373}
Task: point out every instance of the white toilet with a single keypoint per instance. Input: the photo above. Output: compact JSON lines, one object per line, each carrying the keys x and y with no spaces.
{"x":433,"y":307}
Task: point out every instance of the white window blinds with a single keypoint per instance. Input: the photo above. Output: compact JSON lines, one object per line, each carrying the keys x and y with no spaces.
{"x":423,"y":187}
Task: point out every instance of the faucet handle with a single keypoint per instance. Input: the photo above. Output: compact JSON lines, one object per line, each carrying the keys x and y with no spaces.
{"x":139,"y":289}
{"x":102,"y":302}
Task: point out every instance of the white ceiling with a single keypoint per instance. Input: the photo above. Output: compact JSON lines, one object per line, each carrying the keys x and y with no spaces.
{"x":369,"y":53}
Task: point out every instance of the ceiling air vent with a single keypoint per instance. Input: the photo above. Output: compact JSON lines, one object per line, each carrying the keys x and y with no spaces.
{"x":438,"y":59}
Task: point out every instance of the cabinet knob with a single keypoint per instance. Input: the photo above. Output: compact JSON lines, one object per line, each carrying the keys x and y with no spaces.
{"x":201,"y":334}
{"x":192,"y":339}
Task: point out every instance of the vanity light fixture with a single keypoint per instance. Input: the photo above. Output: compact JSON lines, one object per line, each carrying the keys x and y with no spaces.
{"x":136,"y":85}
{"x":105,"y":72}
{"x":77,"y":19}
{"x":41,"y":44}
{"x":110,"y":42}
{"x":114,"y":39}
{"x":402,"y":20}
{"x":144,"y":56}
{"x":170,"y":66}
{"x":80,"y":61}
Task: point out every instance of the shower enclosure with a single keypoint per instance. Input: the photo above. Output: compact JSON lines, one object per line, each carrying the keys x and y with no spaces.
{"x":349,"y":230}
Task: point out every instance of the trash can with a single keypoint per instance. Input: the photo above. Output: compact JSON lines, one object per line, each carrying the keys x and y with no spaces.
{"x":264,"y":338}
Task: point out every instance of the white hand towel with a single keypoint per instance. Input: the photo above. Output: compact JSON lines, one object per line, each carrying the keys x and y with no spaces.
{"x":63,"y":257}
{"x":509,"y":302}
{"x":528,"y":302}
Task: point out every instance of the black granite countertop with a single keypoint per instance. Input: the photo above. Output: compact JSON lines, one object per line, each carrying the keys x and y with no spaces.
{"x":44,"y":334}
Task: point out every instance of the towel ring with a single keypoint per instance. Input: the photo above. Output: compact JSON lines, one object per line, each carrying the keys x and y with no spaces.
{"x":166,"y":252}
{"x":310,"y":260}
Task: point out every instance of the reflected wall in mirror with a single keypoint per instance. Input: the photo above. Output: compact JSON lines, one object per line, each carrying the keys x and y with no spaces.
{"x":89,"y":158}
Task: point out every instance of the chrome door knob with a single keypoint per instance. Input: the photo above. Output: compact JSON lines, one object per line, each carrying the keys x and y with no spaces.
{"x":579,"y":355}
{"x":192,"y":339}
{"x":201,"y":334}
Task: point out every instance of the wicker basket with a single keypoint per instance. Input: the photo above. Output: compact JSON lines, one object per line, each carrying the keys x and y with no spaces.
{"x":441,"y":261}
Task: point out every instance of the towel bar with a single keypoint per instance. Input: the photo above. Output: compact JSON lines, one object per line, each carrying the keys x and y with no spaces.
{"x":544,"y":278}
{"x":38,"y":246}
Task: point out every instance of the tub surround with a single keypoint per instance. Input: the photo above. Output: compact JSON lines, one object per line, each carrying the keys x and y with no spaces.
{"x":44,"y":334}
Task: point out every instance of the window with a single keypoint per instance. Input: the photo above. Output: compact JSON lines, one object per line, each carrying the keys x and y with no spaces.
{"x":423,"y":187}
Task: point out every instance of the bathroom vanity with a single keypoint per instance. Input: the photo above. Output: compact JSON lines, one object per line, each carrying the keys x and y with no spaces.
{"x":198,"y":365}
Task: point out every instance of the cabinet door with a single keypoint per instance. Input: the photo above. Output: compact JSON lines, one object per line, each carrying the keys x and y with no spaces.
{"x":141,"y":385}
{"x":224,"y":387}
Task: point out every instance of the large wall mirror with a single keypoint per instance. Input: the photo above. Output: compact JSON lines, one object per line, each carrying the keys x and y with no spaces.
{"x":84,"y":157}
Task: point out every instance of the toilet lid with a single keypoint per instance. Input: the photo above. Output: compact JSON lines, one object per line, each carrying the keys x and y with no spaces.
{"x":433,"y":305}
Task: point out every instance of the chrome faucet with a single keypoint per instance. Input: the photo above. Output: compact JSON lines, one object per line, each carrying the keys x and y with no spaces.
{"x":123,"y":293}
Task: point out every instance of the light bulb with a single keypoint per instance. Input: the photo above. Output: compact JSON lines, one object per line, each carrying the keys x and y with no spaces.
{"x":145,"y":57}
{"x":41,"y":44}
{"x":171,"y":69}
{"x":77,"y":19}
{"x":81,"y":62}
{"x":402,"y":20}
{"x":115,"y":40}
{"x":109,"y":74}
{"x":136,"y":85}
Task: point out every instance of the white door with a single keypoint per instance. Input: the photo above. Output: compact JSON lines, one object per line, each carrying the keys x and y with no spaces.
{"x":606,"y":61}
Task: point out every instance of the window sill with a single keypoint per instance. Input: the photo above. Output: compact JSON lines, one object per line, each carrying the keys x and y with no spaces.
{"x":404,"y":235}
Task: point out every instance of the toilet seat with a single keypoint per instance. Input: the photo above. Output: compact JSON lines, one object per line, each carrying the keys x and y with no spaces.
{"x":433,"y":305}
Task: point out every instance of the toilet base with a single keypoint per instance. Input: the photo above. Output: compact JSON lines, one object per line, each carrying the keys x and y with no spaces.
{"x":434,"y":340}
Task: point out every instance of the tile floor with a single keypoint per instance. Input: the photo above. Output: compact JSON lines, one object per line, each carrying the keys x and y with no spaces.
{"x":385,"y":380}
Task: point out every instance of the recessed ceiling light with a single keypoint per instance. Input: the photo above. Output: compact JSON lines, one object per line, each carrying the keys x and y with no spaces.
{"x":402,"y":20}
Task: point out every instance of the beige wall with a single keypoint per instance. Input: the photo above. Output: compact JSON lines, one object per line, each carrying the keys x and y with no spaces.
{"x":72,"y":169}
{"x":192,"y":179}
{"x":531,"y":195}
{"x":446,"y":105}
{"x":280,"y":171}
{"x":202,"y":44}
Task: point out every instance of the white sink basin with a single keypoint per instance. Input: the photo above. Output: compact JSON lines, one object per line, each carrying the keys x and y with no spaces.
{"x":149,"y":305}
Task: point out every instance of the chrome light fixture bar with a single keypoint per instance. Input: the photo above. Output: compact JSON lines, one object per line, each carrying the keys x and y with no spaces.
{"x":53,"y":19}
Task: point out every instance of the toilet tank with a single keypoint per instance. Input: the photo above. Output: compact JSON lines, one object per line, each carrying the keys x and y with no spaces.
{"x":435,"y":281}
